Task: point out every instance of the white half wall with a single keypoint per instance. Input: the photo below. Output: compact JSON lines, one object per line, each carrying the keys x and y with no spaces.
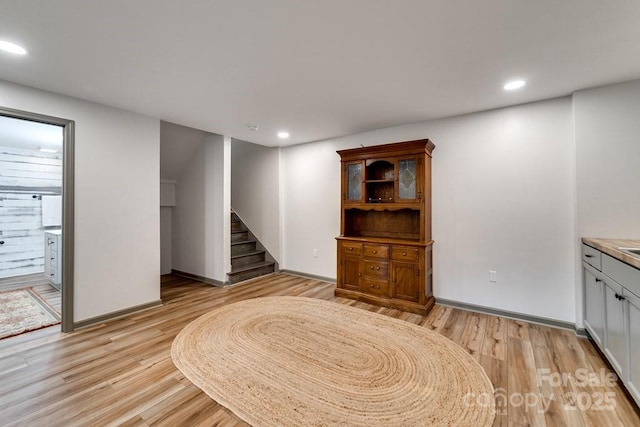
{"x":255,"y":191}
{"x":117,"y":157}
{"x":201,"y":218}
{"x":503,"y":200}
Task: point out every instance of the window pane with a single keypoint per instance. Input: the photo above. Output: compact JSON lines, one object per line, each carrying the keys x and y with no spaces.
{"x":355,"y":181}
{"x":407,"y":179}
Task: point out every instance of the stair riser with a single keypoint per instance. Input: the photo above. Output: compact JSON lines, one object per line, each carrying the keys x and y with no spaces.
{"x":238,"y":237}
{"x":235,"y":226}
{"x":243,"y":248}
{"x":247,"y":260}
{"x":246,"y":275}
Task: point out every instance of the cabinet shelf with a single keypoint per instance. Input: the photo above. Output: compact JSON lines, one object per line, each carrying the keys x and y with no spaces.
{"x":383,"y":207}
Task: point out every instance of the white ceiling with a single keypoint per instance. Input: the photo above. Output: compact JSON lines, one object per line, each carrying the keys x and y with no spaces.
{"x":318,"y":68}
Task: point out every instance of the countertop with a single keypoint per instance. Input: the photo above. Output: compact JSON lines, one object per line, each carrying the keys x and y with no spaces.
{"x":610,"y":247}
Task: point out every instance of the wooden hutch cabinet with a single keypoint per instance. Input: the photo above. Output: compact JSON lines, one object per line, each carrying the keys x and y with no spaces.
{"x":384,"y":247}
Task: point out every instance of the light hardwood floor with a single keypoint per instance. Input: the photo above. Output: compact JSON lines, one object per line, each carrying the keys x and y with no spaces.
{"x":120,"y":372}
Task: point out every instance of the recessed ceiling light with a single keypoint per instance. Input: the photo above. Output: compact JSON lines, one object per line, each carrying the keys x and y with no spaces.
{"x":514,"y":84}
{"x":253,"y":128}
{"x":12,"y":48}
{"x":283,"y":134}
{"x":48,"y":150}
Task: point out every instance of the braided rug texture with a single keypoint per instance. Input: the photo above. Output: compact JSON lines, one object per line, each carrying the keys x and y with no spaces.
{"x":294,"y":361}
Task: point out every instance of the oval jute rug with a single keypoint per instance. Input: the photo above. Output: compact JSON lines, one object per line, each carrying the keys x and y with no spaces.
{"x":293,"y":361}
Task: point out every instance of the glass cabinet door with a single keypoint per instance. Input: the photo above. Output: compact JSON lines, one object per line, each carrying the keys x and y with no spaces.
{"x":408,"y":189}
{"x":354,"y":180}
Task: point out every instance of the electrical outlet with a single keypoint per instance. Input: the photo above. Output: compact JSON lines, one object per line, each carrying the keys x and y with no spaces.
{"x":315,"y":253}
{"x":493,"y":276}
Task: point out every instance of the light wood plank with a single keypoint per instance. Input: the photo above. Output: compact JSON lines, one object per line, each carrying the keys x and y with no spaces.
{"x":120,"y":372}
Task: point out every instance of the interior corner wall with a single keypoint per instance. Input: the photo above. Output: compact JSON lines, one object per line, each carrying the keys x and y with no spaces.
{"x":200,"y":219}
{"x":255,"y":191}
{"x":503,"y":186}
{"x":117,"y":168}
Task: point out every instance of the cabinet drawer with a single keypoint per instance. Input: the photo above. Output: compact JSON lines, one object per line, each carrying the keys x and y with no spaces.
{"x":592,"y":256}
{"x":624,"y":274}
{"x":376,"y":270}
{"x":404,"y":253}
{"x":375,"y":287}
{"x":351,"y":248}
{"x":376,"y":251}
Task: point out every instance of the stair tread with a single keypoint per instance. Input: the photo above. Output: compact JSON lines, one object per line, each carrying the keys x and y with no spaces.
{"x":238,"y":231}
{"x":247,"y":254}
{"x":252,"y":267}
{"x":242,"y":242}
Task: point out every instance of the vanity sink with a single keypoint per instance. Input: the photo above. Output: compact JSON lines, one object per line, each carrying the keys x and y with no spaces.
{"x":632,"y":251}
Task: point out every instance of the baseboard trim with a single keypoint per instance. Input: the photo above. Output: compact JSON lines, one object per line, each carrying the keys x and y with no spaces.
{"x":513,"y":315}
{"x":308,"y":276}
{"x":199,"y":278}
{"x":116,"y":314}
{"x":581,"y":332}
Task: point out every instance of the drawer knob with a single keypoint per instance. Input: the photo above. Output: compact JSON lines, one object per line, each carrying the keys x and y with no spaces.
{"x":1,"y":242}
{"x":588,"y":256}
{"x":375,"y":252}
{"x":377,"y":268}
{"x":371,"y":286}
{"x":404,"y":254}
{"x":371,"y":267}
{"x":350,"y":248}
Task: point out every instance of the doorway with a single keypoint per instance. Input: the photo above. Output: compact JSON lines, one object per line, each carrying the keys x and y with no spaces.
{"x":50,"y":207}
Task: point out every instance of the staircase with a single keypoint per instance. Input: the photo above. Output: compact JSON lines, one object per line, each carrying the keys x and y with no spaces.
{"x":248,"y":257}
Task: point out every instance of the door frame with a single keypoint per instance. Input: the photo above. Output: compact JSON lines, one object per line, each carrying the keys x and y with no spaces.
{"x":68,"y":209}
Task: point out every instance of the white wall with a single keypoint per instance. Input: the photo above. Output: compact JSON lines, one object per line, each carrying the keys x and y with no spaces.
{"x":167,"y":193}
{"x":201,"y":218}
{"x":502,"y":200}
{"x":607,"y":140}
{"x":116,"y":200}
{"x":167,"y":202}
{"x":166,"y":218}
{"x":255,"y":191}
{"x":607,"y":132}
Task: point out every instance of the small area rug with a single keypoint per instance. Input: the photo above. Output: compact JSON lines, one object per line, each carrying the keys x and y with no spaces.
{"x":294,"y":361}
{"x":23,"y":310}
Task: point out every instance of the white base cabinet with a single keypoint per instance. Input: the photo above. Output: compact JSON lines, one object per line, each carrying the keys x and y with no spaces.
{"x":616,"y":346}
{"x":612,"y":313}
{"x":633,"y":303}
{"x":53,"y":257}
{"x":594,"y":307}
